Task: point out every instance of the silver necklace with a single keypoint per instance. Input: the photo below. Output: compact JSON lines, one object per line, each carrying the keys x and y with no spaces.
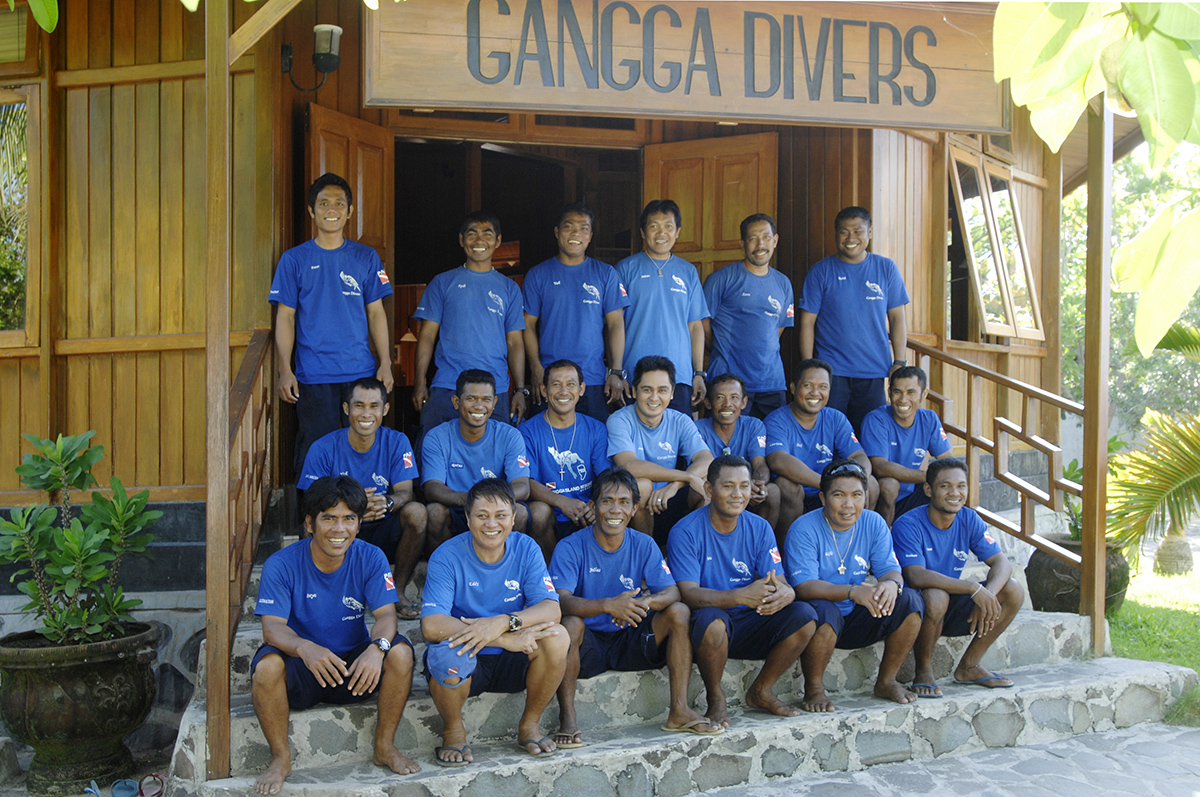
{"x":570,"y":446}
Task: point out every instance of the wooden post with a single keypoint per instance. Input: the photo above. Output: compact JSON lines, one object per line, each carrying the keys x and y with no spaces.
{"x":1050,"y":423}
{"x":216,"y":363}
{"x":1095,"y":370}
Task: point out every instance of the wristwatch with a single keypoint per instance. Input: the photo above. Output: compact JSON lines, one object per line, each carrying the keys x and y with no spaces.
{"x":701,"y":374}
{"x":620,"y":374}
{"x":514,"y":623}
{"x":389,"y":505}
{"x":523,"y":390}
{"x":900,"y":363}
{"x":383,"y":643}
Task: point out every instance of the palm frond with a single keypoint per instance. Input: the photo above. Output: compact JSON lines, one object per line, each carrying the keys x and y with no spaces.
{"x":1182,"y":339}
{"x":1157,"y":488}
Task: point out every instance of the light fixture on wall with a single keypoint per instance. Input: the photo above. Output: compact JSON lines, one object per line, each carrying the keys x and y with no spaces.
{"x":326,"y":40}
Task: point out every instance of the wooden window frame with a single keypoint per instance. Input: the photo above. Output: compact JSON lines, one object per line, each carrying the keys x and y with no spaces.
{"x":975,"y":161}
{"x":33,"y":36}
{"x":30,"y":335}
{"x":1037,"y":331}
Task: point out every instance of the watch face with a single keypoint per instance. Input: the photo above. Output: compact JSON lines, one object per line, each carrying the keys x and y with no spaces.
{"x":383,"y":644}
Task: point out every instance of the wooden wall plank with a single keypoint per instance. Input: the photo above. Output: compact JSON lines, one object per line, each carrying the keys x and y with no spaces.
{"x":75,"y":282}
{"x":147,"y":34}
{"x":171,"y":29}
{"x":99,"y":31}
{"x":100,"y":411}
{"x":248,"y":297}
{"x":75,"y":21}
{"x":33,"y":411}
{"x":193,"y":418}
{"x":99,"y":202}
{"x":124,"y":35}
{"x":193,"y":210}
{"x":122,"y":210}
{"x":149,"y":264}
{"x":10,"y":423}
{"x":193,"y":34}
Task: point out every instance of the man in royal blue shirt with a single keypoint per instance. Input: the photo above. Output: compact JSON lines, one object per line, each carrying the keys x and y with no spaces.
{"x":328,"y":295}
{"x":666,"y":304}
{"x":730,"y":574}
{"x":614,"y":623}
{"x":727,"y":431}
{"x":751,"y":304}
{"x":829,"y":555}
{"x":460,"y":452}
{"x":804,"y":437}
{"x":490,"y":622}
{"x":566,"y":450}
{"x":313,"y":600}
{"x":475,"y":314}
{"x":852,"y":314}
{"x":902,"y":438}
{"x":574,"y":310}
{"x":932,"y":545}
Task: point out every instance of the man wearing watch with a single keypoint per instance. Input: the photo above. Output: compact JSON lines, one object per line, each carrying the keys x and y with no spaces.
{"x":382,"y":460}
{"x":313,"y":599}
{"x":490,"y":619}
{"x":828,"y":556}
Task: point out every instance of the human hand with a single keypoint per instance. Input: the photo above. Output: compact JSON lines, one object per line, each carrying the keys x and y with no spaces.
{"x":420,"y":395}
{"x":986,"y":612}
{"x":778,"y":599}
{"x":536,"y":374}
{"x":758,"y":493}
{"x":615,"y":389}
{"x":885,"y":596}
{"x":289,"y":388}
{"x":517,"y":411}
{"x":526,"y":640}
{"x":699,"y":390}
{"x":479,"y":633}
{"x":322,"y":663}
{"x":661,"y":497}
{"x":376,"y":505}
{"x":384,"y":374}
{"x":578,"y":512}
{"x":366,"y":671}
{"x":627,"y":609}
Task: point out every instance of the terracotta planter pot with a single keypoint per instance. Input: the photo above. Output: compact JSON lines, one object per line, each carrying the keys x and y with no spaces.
{"x":1054,"y":586}
{"x":73,"y":705}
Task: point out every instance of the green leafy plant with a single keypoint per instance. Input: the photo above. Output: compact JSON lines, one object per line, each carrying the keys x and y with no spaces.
{"x":1073,"y":471}
{"x":72,"y":564}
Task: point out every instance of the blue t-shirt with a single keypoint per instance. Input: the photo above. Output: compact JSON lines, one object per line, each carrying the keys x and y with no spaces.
{"x":570,"y":303}
{"x":701,"y":554}
{"x":747,"y":313}
{"x":566,"y":460}
{"x":330,"y":609}
{"x":851,"y":302}
{"x":448,"y":458}
{"x":813,"y":555}
{"x":460,"y":584}
{"x":330,"y":289}
{"x":883,"y":437}
{"x":660,"y":309}
{"x":831,"y":436}
{"x":389,"y":461}
{"x":475,"y":310}
{"x":580,"y":566}
{"x":675,"y":436}
{"x":749,"y":438}
{"x":919,"y":542}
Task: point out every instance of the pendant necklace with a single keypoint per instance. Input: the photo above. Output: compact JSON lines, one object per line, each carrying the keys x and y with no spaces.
{"x":570,"y":446}
{"x":850,"y":547}
{"x":659,"y":265}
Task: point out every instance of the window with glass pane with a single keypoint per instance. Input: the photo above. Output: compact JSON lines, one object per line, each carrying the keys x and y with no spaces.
{"x":14,"y":226}
{"x":1026,"y":314}
{"x":985,"y":273}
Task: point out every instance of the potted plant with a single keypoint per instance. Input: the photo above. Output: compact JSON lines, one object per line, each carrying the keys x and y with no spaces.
{"x":75,"y":686}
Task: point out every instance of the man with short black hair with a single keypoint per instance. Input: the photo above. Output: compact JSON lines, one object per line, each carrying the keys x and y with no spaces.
{"x":313,"y":599}
{"x":932,"y":544}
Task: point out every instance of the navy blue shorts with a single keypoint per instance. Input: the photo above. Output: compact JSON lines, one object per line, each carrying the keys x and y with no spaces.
{"x":489,"y":672}
{"x":911,"y":501}
{"x":859,"y":629}
{"x":957,"y":621}
{"x":752,"y":635}
{"x":764,"y":403}
{"x":854,"y":397}
{"x":627,"y":650}
{"x":665,"y":520}
{"x":593,"y":403}
{"x":812,"y":502}
{"x":564,"y":528}
{"x":384,"y":533}
{"x":681,"y":399}
{"x":304,"y":691}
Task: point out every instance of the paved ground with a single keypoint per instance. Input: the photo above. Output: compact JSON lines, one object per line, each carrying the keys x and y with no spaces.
{"x":1146,"y":761}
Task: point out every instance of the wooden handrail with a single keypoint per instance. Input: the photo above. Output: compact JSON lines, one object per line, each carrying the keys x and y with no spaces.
{"x":241,"y":391}
{"x":971,"y":368}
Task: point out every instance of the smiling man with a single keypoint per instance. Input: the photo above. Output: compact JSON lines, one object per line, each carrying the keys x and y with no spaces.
{"x":313,"y":599}
{"x":475,"y":315}
{"x":490,"y":622}
{"x":901,"y":439}
{"x":328,"y":295}
{"x":575,"y":310}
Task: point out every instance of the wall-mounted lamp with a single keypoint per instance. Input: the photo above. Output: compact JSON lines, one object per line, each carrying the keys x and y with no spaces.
{"x":326,"y":41}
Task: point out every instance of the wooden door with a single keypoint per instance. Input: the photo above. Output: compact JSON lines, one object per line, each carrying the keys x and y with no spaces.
{"x":717,"y":183}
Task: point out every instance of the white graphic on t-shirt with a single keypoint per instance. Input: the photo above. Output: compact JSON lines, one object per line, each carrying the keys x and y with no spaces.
{"x":741,"y":567}
{"x":487,"y":474}
{"x":665,"y":446}
{"x":592,"y":289}
{"x":679,"y":282}
{"x":871,"y":286}
{"x":508,"y":582}
{"x":775,"y":305}
{"x":920,"y":452}
{"x":496,"y":299}
{"x":861,"y":562}
{"x":823,"y":450}
{"x":354,"y":606}
{"x":379,"y":480}
{"x":568,"y":459}
{"x":626,"y":582}
{"x":352,"y":283}
{"x":960,"y":555}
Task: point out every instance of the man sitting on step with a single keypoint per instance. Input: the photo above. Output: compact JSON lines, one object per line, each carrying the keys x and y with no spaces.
{"x":932,"y":544}
{"x":616,"y":623}
{"x":313,"y":601}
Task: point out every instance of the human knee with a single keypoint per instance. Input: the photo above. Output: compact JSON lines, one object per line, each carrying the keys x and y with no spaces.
{"x":540,"y":515}
{"x":521,"y":518}
{"x":556,"y":645}
{"x":715,"y":635}
{"x":678,"y":616}
{"x":399,"y":659}
{"x":269,"y":670}
{"x":575,"y":627}
{"x":889,"y":488}
{"x":1012,"y":594}
{"x":414,"y":517}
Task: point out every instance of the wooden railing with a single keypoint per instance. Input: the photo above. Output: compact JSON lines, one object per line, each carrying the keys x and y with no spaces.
{"x":970,"y":430}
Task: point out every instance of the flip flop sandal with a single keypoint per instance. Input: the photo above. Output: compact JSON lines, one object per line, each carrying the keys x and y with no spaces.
{"x":930,"y":687}
{"x":568,"y":745}
{"x":991,"y":676}
{"x":541,"y":753}
{"x":690,"y":727}
{"x":93,"y":789}
{"x":451,"y":764}
{"x":413,"y":609}
{"x":157,"y":785}
{"x":125,"y":787}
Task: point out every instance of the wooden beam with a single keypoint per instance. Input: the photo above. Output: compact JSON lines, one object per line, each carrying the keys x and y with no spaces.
{"x":141,"y":343}
{"x":1051,"y":285}
{"x":1097,"y":316}
{"x":140,"y":73}
{"x":218,"y":167}
{"x":257,"y":26}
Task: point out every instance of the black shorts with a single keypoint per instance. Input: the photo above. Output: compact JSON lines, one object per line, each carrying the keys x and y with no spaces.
{"x":304,"y":691}
{"x":564,"y":528}
{"x":752,"y":635}
{"x":957,"y":621}
{"x":384,"y":533}
{"x":911,"y":501}
{"x":626,"y":650}
{"x":665,"y":520}
{"x":859,"y":629}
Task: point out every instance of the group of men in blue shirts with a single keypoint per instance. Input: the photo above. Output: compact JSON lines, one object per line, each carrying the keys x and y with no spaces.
{"x":761,"y":584}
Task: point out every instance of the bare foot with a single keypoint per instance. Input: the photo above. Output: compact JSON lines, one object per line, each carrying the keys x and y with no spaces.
{"x":530,"y":737}
{"x":768,"y":701}
{"x":388,"y":756}
{"x":925,"y":685}
{"x":271,"y":781}
{"x":982,"y":677}
{"x":894,"y":691}
{"x":567,"y":739}
{"x":718,"y":714}
{"x":817,"y":702}
{"x":454,"y":747}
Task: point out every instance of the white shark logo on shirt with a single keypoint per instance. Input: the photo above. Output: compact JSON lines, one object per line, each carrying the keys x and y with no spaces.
{"x":592,"y":289}
{"x":496,"y":299}
{"x":508,"y":582}
{"x":861,"y":562}
{"x":626,"y":582}
{"x":741,"y":567}
{"x":379,"y":480}
{"x":679,"y":282}
{"x":823,"y":449}
{"x":920,"y":452}
{"x":871,"y":286}
{"x":665,"y":446}
{"x":350,"y":281}
{"x":960,"y":555}
{"x":775,"y":305}
{"x":487,"y":474}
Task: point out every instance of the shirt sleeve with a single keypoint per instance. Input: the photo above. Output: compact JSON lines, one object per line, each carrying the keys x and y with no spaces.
{"x":909,"y":547}
{"x":614,"y":297}
{"x":600,"y":462}
{"x":768,"y":556}
{"x":376,"y":282}
{"x":564,"y":567}
{"x":404,"y":462}
{"x":437,"y":597}
{"x":777,"y":435}
{"x":883,"y":558}
{"x":690,"y":441}
{"x":683,"y":554}
{"x":537,"y":585}
{"x":803,"y":555}
{"x":756,"y":439}
{"x":531,"y":292}
{"x":788,"y":317}
{"x":516,"y":462}
{"x":698,"y":308}
{"x":434,"y":454}
{"x":813,"y":291}
{"x":844,"y":441}
{"x":431,"y":307}
{"x":274,"y":593}
{"x":285,"y":289}
{"x":897,"y":294}
{"x":874,"y":436}
{"x":532,"y":450}
{"x":937,"y":443}
{"x":619,"y":435}
{"x":514,"y":314}
{"x":654,"y":567}
{"x":379,"y":587}
{"x":983,"y":544}
{"x":318,"y":462}
{"x":712,"y":292}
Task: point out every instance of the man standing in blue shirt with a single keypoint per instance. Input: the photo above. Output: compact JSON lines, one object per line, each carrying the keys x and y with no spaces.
{"x":901,"y":438}
{"x":382,"y":458}
{"x":730,"y":574}
{"x":751,"y":304}
{"x":574,"y":309}
{"x":314,"y":597}
{"x":666,"y":304}
{"x":725,"y":431}
{"x":648,"y":439}
{"x":566,"y":450}
{"x":932,"y":546}
{"x":490,"y":622}
{"x":804,"y":437}
{"x":829,"y":555}
{"x":460,"y":452}
{"x":328,"y":295}
{"x":852,"y":314}
{"x":614,"y":623}
{"x":475,"y":314}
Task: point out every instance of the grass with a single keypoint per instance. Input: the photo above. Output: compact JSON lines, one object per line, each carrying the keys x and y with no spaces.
{"x":1160,"y":621}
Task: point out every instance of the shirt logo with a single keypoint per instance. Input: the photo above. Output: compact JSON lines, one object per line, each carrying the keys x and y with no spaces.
{"x":522,"y":461}
{"x":388,"y":581}
{"x":354,"y":606}
{"x":874,"y":289}
{"x":853,"y":437}
{"x":469,"y":584}
{"x":311,"y":595}
{"x":960,"y":555}
{"x":487,"y":474}
{"x":987,"y":535}
{"x":313,"y":268}
{"x":665,"y":446}
{"x":551,"y":485}
{"x":791,"y":311}
{"x":622,"y":286}
{"x":452,"y":670}
{"x":568,"y":459}
{"x":762,"y":440}
{"x":461,"y":285}
{"x":626,"y":582}
{"x":775,"y":557}
{"x":380,"y":480}
{"x":593,"y":570}
{"x":511,"y":584}
{"x":351,"y":283}
{"x":682,"y":285}
{"x":558,"y":282}
{"x":383,"y":278}
{"x":775,"y":305}
{"x":741,"y":567}
{"x":408,"y":460}
{"x":943,"y":431}
{"x":861,"y":562}
{"x":824,"y":450}
{"x":592,"y":290}
{"x":549,"y":584}
{"x":496,"y":300}
{"x":666,"y":569}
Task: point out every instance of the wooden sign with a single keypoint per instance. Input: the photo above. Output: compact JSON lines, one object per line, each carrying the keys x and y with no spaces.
{"x":877,"y":65}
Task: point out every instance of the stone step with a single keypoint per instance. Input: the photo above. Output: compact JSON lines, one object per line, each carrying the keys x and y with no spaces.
{"x":1054,"y":701}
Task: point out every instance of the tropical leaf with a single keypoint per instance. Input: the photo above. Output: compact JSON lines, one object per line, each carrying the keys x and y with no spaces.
{"x":1158,"y":487}
{"x":1155,"y":80}
{"x":1134,"y":261}
{"x":1173,"y":284}
{"x":1074,"y":61}
{"x":1183,"y":340}
{"x":1026,"y":35}
{"x":1053,"y":118}
{"x":1179,"y":20}
{"x":45,"y":13}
